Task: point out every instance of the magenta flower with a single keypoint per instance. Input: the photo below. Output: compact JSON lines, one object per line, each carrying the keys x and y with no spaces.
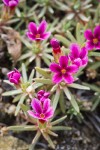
{"x":42,"y":95}
{"x":14,"y":76}
{"x":55,"y":45}
{"x":37,"y":33}
{"x":11,"y":3}
{"x":78,"y":56}
{"x":93,"y":39}
{"x":40,"y":111}
{"x":63,"y":71}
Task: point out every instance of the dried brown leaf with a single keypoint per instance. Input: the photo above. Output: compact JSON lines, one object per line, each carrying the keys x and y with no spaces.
{"x":14,"y":45}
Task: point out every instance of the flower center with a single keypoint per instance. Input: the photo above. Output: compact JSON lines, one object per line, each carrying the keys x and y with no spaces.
{"x":38,"y":36}
{"x":42,"y":115}
{"x":95,"y":40}
{"x":63,"y":71}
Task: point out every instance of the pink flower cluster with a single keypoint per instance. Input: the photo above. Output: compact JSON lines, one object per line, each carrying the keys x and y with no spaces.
{"x":78,"y":57}
{"x":42,"y":109}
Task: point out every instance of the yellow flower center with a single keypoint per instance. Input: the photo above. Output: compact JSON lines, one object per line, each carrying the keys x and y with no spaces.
{"x":95,"y":40}
{"x":42,"y":115}
{"x":38,"y":36}
{"x":63,"y":71}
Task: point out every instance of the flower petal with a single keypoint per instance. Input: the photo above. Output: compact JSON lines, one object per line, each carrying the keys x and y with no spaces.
{"x":49,"y":113}
{"x":31,"y":113}
{"x":63,"y":61}
{"x":84,"y":61}
{"x":97,"y":46}
{"x":36,"y":105}
{"x":75,"y":49}
{"x":16,"y":76}
{"x":32,"y":28}
{"x":83,"y":52}
{"x":42,"y":27}
{"x":90,"y":45}
{"x":6,"y":2}
{"x":97,"y":32}
{"x":45,"y":35}
{"x":57,"y":78}
{"x":72,"y":69}
{"x":31,"y":36}
{"x":68,"y":78}
{"x":13,"y":3}
{"x":55,"y":68}
{"x":46,"y":105}
{"x":88,"y":34}
{"x":12,"y":80}
{"x":78,"y":62}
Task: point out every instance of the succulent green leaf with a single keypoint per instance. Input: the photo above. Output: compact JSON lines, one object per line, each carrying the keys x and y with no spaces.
{"x":58,"y":120}
{"x":94,"y":54}
{"x":48,"y":139}
{"x":43,"y":72}
{"x":71,"y":37}
{"x":78,"y":86}
{"x":17,"y":98}
{"x":67,"y":93}
{"x":19,"y":104}
{"x":31,"y":76}
{"x":44,"y":81}
{"x":58,"y":128}
{"x":63,"y":40}
{"x":22,"y":128}
{"x":8,"y":82}
{"x":13,"y":92}
{"x":24,"y":74}
{"x":56,"y":99}
{"x":24,"y":108}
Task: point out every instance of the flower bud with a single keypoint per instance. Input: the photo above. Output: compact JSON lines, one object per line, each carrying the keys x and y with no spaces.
{"x":14,"y":76}
{"x":11,"y":3}
{"x":55,"y":45}
{"x":57,"y":52}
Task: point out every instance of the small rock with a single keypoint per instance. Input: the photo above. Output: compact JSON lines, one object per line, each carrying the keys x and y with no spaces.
{"x":12,"y":143}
